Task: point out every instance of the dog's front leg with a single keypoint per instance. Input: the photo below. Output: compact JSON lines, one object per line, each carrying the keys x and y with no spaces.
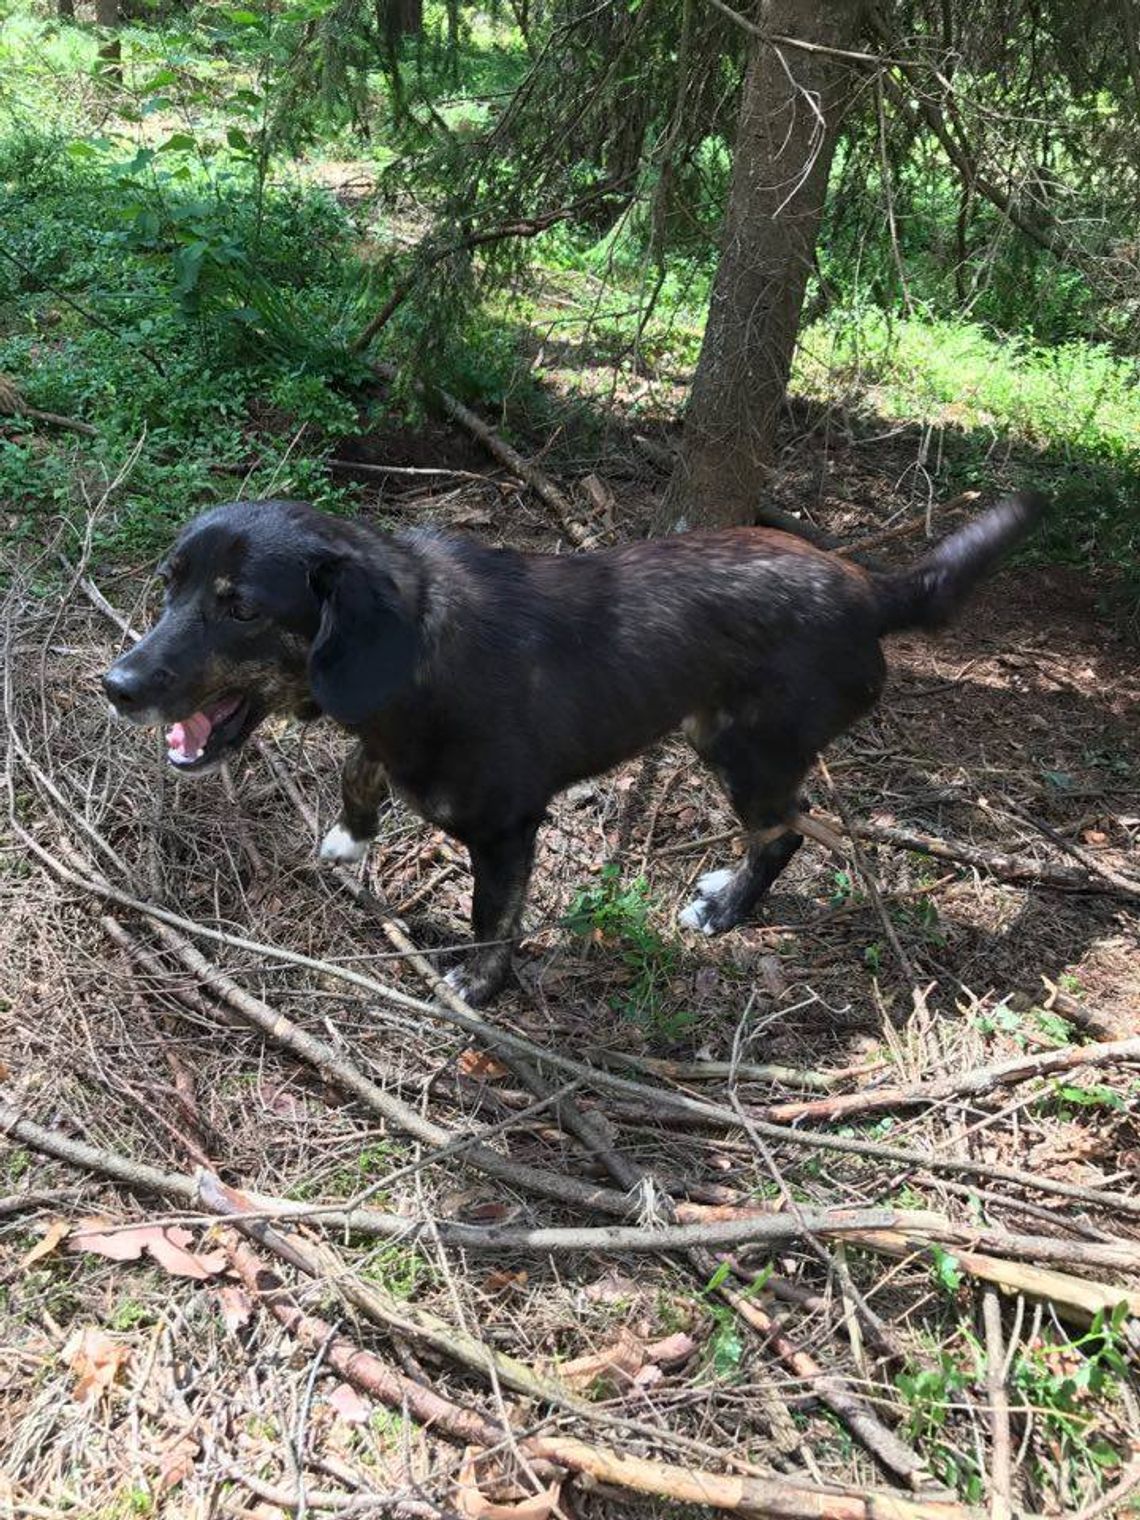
{"x":363,"y":786}
{"x":502,"y":874}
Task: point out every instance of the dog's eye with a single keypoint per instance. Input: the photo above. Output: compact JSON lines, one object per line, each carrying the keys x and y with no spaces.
{"x":242,"y":612}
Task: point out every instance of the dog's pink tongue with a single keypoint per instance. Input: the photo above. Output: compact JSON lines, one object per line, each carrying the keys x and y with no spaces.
{"x":185,"y":741}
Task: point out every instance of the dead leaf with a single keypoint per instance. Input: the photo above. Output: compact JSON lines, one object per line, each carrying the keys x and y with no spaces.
{"x":470,"y":1208}
{"x":472,"y":1503}
{"x":502,"y":1282}
{"x":47,"y":1243}
{"x":349,"y":1405}
{"x":706,"y":981}
{"x":177,"y":1462}
{"x":674,"y":1348}
{"x":613,"y":1367}
{"x":95,"y":1359}
{"x":166,"y":1245}
{"x":1095,"y":836}
{"x":278,"y":1099}
{"x":772,"y":975}
{"x":481,"y":1066}
{"x":649,"y":1375}
{"x":5,"y":1071}
{"x":237,"y":1310}
{"x":613,"y":1289}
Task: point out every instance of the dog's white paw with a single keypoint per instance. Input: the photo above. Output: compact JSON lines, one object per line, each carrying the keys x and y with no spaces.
{"x":338,"y":844}
{"x":698,"y":913}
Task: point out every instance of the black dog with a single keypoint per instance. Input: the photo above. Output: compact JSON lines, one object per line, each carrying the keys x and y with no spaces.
{"x":480,"y":682}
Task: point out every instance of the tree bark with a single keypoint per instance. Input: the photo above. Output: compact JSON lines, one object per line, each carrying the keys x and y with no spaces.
{"x":791,"y":108}
{"x":111,"y":49}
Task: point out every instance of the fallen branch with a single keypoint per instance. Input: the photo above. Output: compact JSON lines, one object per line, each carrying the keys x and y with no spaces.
{"x":1127,"y":884}
{"x":834,"y":1394}
{"x":1008,"y":867}
{"x":777,"y":1497}
{"x":1082,"y":1299}
{"x":971,"y":1084}
{"x":1001,"y":1463}
{"x":540,"y":483}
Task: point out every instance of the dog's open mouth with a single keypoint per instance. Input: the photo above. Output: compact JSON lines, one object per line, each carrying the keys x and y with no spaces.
{"x":204,"y":737}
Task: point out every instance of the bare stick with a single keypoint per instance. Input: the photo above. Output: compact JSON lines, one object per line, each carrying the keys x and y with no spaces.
{"x":1126,"y":884}
{"x":538,"y":480}
{"x":895,"y":1455}
{"x":1001,"y":1480}
{"x":970,"y":1084}
{"x":754,"y":1496}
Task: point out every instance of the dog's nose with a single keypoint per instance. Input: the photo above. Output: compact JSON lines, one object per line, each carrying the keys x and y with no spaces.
{"x":124,"y":689}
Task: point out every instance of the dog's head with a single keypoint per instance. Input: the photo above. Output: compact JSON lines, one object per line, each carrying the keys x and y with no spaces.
{"x":269,"y":608}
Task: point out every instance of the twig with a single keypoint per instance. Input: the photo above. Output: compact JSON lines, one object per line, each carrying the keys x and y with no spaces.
{"x":891,"y":1451}
{"x":1083,"y":1299}
{"x":537,"y":479}
{"x":407,"y":471}
{"x":999,"y":863}
{"x":971,"y":1084}
{"x":1125,"y":884}
{"x":1107,"y":1502}
{"x":753,"y":1496}
{"x":1001,"y":1479}
{"x":369,"y":1504}
{"x":870,"y":880}
{"x":719,"y":1071}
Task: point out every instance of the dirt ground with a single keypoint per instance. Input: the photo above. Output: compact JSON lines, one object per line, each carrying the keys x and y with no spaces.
{"x":128,"y":1387}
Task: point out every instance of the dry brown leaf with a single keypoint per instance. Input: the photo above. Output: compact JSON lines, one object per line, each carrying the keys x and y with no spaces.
{"x":177,"y":1462}
{"x":482,"y":1067}
{"x":166,"y":1245}
{"x":474,"y":1505}
{"x":613,"y":1288}
{"x":236,"y":1307}
{"x":349,"y":1405}
{"x":614,"y":1367}
{"x":95,"y":1359}
{"x":100,"y":1236}
{"x":674,"y":1348}
{"x":47,"y":1243}
{"x":5,"y":1071}
{"x":501,"y":1281}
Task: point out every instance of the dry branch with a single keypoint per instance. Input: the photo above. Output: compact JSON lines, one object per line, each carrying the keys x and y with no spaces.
{"x":832,"y":1391}
{"x":760,"y":1497}
{"x":540,"y":483}
{"x":971,"y":1084}
{"x":1005,"y":866}
{"x":1082,"y":1299}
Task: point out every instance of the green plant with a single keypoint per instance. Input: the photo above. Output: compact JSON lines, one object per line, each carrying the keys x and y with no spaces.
{"x":618,"y":916}
{"x":930,"y":1395}
{"x":1068,"y":1384}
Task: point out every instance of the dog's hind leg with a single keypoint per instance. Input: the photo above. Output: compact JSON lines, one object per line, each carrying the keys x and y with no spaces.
{"x":363,"y":786}
{"x":762,"y":777}
{"x":502,"y":873}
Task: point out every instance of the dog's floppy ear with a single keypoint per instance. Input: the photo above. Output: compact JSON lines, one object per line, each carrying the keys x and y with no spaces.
{"x":365,"y":650}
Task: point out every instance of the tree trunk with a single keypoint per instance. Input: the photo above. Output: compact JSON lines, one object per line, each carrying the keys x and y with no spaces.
{"x":779,"y":181}
{"x":111,"y":49}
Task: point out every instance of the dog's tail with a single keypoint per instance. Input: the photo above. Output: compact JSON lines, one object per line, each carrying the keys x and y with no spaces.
{"x":930,"y":592}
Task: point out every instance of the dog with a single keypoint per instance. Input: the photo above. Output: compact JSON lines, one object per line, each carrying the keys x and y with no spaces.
{"x":480,"y":682}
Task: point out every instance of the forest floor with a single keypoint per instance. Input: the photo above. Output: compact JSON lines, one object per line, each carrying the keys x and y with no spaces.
{"x":922,"y":1353}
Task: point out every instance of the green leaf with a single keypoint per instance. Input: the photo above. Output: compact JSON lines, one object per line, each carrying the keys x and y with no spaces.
{"x":946,"y":1269}
{"x":178,"y":142}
